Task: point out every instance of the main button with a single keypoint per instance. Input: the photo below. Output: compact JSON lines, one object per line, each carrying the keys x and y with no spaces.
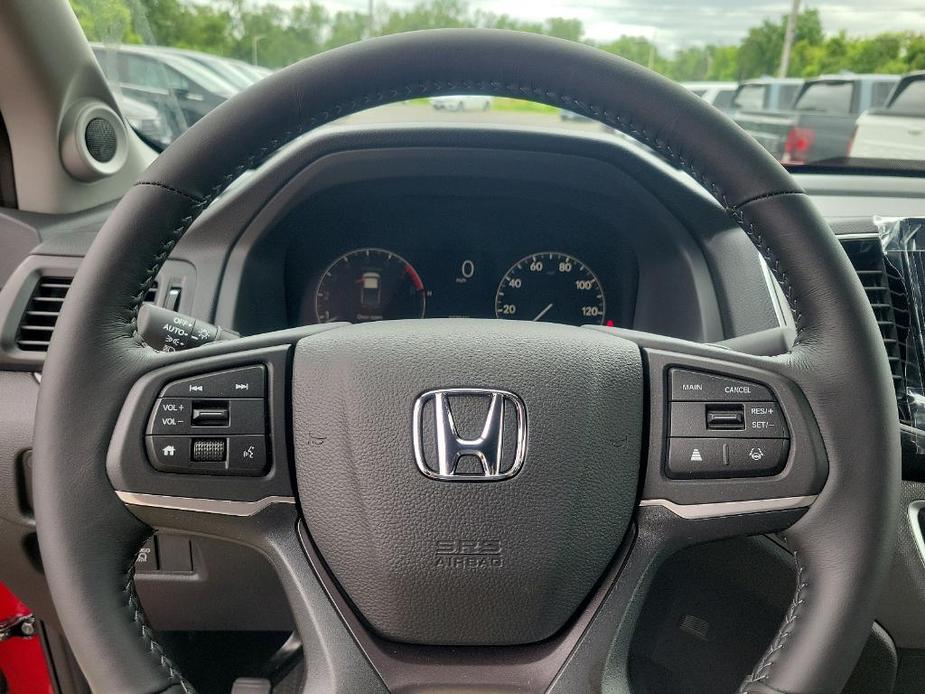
{"x":697,"y":386}
{"x":246,"y":382}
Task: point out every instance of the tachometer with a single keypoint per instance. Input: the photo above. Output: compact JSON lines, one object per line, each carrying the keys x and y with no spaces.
{"x":369,"y":284}
{"x":551,"y":286}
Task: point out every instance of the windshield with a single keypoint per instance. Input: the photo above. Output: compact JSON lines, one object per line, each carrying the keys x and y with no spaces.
{"x":795,"y":75}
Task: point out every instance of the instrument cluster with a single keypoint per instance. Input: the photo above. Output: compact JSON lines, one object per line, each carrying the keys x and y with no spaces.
{"x":446,"y":257}
{"x":370,"y":284}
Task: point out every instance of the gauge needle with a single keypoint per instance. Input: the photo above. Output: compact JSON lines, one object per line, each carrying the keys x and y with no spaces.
{"x":543,"y":312}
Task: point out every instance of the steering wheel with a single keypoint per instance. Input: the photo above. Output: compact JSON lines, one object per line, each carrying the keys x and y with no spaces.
{"x":467,"y":505}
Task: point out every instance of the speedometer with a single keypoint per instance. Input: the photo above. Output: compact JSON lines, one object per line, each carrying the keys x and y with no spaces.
{"x":551,"y":286}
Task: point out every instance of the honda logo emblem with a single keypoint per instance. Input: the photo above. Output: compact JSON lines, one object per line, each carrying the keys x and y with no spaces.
{"x":495,"y":453}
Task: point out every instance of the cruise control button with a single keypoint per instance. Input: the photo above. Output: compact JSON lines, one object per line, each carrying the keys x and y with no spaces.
{"x":694,"y":385}
{"x":247,"y":455}
{"x":169,"y":453}
{"x":245,"y":382}
{"x":765,"y":419}
{"x":170,"y":416}
{"x":762,"y":420}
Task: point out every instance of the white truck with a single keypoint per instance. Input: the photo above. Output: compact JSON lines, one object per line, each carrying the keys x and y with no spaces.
{"x":719,"y":94}
{"x":896,"y":131}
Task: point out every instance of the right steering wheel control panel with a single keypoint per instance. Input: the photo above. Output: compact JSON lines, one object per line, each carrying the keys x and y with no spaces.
{"x":721,"y":427}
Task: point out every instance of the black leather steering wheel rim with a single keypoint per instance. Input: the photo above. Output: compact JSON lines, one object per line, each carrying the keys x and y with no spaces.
{"x":843,"y":544}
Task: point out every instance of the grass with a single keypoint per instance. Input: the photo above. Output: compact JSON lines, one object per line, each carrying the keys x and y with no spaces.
{"x":502,"y":103}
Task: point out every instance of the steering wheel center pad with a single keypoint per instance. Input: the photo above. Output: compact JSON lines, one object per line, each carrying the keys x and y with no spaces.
{"x":462,"y":560}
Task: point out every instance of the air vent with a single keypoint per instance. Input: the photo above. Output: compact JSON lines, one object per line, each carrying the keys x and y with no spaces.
{"x":41,"y":314}
{"x":885,"y":290}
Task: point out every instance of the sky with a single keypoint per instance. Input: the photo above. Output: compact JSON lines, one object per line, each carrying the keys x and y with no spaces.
{"x":680,"y":23}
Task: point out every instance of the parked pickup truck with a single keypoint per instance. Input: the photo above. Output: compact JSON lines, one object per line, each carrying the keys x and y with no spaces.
{"x":896,"y":131}
{"x":766,"y":94}
{"x":821,"y":121}
{"x":718,"y":94}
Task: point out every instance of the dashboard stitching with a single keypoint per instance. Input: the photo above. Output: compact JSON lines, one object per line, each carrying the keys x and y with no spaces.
{"x":147,"y":635}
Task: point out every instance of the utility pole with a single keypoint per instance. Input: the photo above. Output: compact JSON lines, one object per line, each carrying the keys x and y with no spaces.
{"x":254,"y":43}
{"x":788,"y":39}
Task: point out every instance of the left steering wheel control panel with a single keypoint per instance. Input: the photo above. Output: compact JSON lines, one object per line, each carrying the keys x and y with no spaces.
{"x":213,"y":423}
{"x":208,"y":427}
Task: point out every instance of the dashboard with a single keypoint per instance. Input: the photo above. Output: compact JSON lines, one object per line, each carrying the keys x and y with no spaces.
{"x":545,"y":228}
{"x":375,"y":224}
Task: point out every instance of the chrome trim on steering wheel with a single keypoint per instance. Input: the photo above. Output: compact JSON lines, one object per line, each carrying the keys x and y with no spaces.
{"x":731,"y":508}
{"x":224,"y":507}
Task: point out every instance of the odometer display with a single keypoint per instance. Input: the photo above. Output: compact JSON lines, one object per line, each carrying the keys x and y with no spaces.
{"x":369,"y":284}
{"x":551,"y":286}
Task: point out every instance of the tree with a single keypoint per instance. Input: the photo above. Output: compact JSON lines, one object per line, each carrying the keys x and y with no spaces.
{"x":347,"y":27}
{"x":638,"y":49}
{"x":489,"y":20}
{"x":569,"y":29}
{"x":692,"y":63}
{"x":914,"y":51}
{"x":432,"y":14}
{"x":877,"y":54}
{"x":105,"y":20}
{"x":759,"y":53}
{"x":284,"y":32}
